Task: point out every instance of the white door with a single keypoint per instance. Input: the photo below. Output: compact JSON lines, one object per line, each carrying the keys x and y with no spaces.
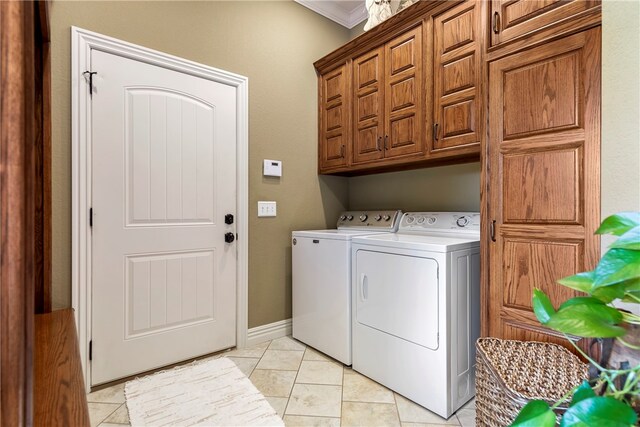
{"x":164,"y":177}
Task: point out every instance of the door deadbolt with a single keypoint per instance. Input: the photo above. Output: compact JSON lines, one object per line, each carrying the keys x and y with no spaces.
{"x":228,"y":219}
{"x":229,"y":237}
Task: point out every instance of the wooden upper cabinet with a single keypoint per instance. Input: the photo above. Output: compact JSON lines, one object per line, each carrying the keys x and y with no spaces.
{"x":334,"y":123}
{"x":404,"y":80}
{"x":544,"y":177}
{"x":388,"y":105}
{"x":368,"y":96}
{"x":456,"y":81}
{"x":514,"y":18}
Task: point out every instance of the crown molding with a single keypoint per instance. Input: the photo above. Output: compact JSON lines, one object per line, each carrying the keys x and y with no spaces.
{"x":331,"y":9}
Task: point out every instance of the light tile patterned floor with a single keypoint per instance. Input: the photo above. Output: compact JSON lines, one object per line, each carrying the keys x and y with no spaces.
{"x":306,"y":388}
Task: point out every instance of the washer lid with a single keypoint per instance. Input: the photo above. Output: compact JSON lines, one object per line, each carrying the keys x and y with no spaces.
{"x":433,"y":242}
{"x":334,"y":234}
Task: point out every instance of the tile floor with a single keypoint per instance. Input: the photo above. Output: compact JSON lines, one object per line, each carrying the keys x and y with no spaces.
{"x":307,"y":389}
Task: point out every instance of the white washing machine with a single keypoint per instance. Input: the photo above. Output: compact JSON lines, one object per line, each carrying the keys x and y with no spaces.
{"x":416,"y":308}
{"x":321,"y":280}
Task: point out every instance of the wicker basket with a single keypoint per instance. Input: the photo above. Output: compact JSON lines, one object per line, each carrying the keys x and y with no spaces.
{"x":510,"y":373}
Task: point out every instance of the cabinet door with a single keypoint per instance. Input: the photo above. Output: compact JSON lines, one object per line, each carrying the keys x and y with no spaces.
{"x":457,"y":72}
{"x":368,"y":106}
{"x":544,"y":178}
{"x":403,"y":95}
{"x":513,"y":18}
{"x":334,"y":119}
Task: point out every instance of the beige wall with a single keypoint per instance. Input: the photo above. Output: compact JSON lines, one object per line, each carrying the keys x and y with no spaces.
{"x":444,"y":188}
{"x":275,"y":45}
{"x":620,"y":107}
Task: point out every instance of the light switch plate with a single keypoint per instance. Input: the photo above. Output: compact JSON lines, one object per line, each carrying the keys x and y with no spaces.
{"x":272,"y":167}
{"x":266,"y":209}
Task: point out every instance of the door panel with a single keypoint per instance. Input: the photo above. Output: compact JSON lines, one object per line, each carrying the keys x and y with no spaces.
{"x":334,"y":116}
{"x":544,"y":177}
{"x":390,"y":299}
{"x":163,"y":156}
{"x":514,"y":18}
{"x":403,"y":87}
{"x":369,"y":120}
{"x":457,"y":72}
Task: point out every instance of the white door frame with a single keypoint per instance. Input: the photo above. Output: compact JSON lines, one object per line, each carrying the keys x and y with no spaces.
{"x":82,"y":42}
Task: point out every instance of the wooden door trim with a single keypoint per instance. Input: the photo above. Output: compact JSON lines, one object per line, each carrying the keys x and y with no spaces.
{"x":17,"y":184}
{"x":82,"y":43}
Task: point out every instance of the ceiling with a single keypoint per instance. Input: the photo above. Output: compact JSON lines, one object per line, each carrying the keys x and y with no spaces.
{"x":347,"y":13}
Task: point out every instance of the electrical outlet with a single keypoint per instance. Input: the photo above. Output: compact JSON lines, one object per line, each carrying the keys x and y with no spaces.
{"x":266,"y":209}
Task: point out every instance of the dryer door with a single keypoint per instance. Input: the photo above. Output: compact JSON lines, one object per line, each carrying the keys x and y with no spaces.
{"x":398,"y":294}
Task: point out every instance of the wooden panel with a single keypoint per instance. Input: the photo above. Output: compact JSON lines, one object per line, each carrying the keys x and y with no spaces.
{"x":403,"y":95}
{"x":552,"y":88}
{"x":369,"y":101}
{"x":458,"y":119}
{"x":402,"y":132}
{"x":459,"y":74}
{"x":543,"y":187}
{"x":545,"y":198}
{"x":515,"y":18}
{"x":368,"y":107}
{"x":531,"y":264}
{"x":59,"y":392}
{"x":459,"y":30}
{"x":401,"y":55}
{"x":456,"y":86}
{"x":334,"y":120}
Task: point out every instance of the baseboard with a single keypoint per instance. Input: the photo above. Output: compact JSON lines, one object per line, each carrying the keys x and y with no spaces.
{"x":268,"y":332}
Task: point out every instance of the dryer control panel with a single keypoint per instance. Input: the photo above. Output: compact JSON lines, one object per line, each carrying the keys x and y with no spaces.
{"x":370,"y":220}
{"x":440,"y":221}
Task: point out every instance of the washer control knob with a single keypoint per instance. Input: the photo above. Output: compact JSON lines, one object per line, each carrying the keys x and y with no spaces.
{"x":349,"y":217}
{"x":363,"y":217}
{"x":386,"y":217}
{"x":410,"y":220}
{"x":343,"y":217}
{"x":462,"y":221}
{"x":377,"y":217}
{"x":431,"y":220}
{"x":420,"y":220}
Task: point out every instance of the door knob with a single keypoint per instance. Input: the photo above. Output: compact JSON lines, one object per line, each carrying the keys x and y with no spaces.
{"x":228,"y":219}
{"x":229,"y":237}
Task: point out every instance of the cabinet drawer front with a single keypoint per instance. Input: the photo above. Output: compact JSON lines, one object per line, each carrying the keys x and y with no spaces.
{"x":511,"y":19}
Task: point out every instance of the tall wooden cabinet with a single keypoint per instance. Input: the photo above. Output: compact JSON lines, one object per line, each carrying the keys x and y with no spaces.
{"x":543,"y":178}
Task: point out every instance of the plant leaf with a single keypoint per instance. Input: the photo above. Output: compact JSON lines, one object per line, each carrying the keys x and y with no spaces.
{"x":617,"y":265}
{"x":582,"y":301}
{"x":599,"y":411}
{"x":580,"y":282}
{"x":542,"y":306}
{"x":592,"y":320}
{"x":629,"y":240}
{"x":584,"y":391}
{"x":607,"y":294}
{"x":535,"y":414}
{"x":619,"y":223}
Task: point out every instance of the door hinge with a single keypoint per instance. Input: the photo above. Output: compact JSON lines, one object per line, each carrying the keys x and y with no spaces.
{"x":90,"y":73}
{"x":91,"y":350}
{"x":90,"y":217}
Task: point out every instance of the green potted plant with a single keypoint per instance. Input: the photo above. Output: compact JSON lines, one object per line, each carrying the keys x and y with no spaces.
{"x":611,"y":396}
